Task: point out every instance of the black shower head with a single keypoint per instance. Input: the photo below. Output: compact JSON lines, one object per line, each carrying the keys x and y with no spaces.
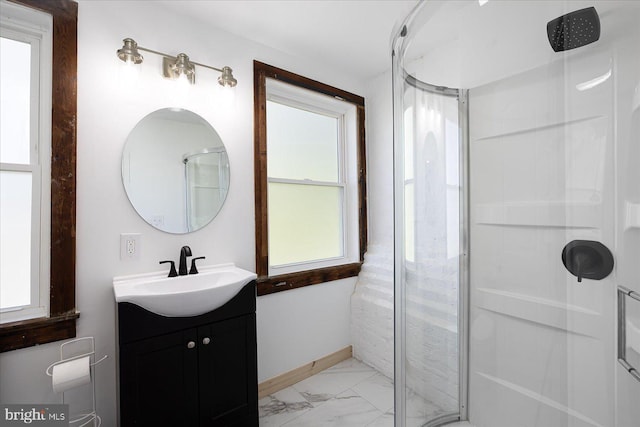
{"x":574,"y":29}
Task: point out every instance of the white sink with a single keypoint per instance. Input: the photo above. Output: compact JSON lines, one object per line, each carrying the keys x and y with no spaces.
{"x":183,"y":296}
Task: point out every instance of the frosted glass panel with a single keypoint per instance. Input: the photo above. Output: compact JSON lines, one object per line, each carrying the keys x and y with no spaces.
{"x":301,"y":144}
{"x":15,"y":240}
{"x":305,"y":223}
{"x":15,"y":76}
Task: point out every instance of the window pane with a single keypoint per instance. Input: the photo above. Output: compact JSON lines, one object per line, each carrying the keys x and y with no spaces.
{"x":15,"y":239}
{"x":301,"y":144}
{"x":15,"y":77}
{"x":305,"y":223}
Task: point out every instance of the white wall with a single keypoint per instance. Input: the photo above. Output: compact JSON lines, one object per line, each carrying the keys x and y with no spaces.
{"x":372,"y":301}
{"x":294,"y":327}
{"x":299,"y":326}
{"x":380,"y":159}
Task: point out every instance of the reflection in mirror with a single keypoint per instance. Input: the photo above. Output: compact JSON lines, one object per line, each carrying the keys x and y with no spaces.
{"x":175,"y":170}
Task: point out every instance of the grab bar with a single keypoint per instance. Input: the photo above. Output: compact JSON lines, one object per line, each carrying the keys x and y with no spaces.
{"x":623,"y":293}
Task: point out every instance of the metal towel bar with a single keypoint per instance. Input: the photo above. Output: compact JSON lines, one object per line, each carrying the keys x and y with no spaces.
{"x":623,"y":293}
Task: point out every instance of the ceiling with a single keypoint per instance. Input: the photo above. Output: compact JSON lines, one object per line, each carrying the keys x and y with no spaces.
{"x":353,"y":36}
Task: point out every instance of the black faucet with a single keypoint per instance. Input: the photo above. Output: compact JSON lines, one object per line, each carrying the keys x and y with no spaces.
{"x":172,"y":272}
{"x":194,"y":269}
{"x":184,"y":253}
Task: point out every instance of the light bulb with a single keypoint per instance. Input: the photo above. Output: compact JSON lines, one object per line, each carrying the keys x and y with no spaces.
{"x":228,"y":95}
{"x":183,"y":81}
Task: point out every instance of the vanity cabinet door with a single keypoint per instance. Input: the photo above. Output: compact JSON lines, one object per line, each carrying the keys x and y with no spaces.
{"x":228,"y":373}
{"x":158,"y":381}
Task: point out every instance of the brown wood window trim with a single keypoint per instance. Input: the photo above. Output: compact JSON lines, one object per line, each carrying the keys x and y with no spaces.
{"x":271,"y":284}
{"x":61,"y":323}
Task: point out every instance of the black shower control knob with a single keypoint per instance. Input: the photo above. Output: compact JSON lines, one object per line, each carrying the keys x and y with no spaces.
{"x":587,"y":259}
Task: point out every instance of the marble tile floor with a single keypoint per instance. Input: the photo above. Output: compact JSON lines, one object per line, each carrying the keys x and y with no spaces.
{"x":349,"y":394}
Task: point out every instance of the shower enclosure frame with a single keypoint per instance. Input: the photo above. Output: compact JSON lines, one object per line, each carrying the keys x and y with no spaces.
{"x":188,"y":185}
{"x":615,"y":136}
{"x":400,"y":78}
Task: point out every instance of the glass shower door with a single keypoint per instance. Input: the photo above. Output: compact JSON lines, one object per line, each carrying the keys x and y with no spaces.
{"x":429,"y":258}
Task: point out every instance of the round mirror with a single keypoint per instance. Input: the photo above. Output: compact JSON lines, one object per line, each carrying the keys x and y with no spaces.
{"x":175,"y":170}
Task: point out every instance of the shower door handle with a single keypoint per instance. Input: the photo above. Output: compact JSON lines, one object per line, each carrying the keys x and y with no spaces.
{"x":623,"y":294}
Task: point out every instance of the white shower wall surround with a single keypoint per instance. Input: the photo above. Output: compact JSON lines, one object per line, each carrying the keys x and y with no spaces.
{"x":562,"y":191}
{"x":545,"y":174}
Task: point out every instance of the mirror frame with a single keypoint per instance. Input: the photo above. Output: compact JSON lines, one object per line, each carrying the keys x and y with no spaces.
{"x":61,"y":323}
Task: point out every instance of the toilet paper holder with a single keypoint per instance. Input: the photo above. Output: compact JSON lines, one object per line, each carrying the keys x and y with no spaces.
{"x":63,"y":359}
{"x":82,"y":419}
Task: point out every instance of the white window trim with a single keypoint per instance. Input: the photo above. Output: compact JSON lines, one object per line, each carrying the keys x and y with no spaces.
{"x":36,"y":28}
{"x":346,"y":113}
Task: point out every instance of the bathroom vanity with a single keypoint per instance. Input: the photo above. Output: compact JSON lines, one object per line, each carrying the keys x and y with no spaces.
{"x":189,"y":371}
{"x":187,"y":338}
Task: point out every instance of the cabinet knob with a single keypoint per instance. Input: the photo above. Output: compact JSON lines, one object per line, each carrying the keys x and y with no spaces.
{"x":191,"y":344}
{"x":206,"y":340}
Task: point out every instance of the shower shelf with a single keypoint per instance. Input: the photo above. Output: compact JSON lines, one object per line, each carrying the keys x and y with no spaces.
{"x":540,"y":213}
{"x":538,"y":310}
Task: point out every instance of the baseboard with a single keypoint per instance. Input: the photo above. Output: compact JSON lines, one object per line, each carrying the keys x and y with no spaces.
{"x":287,"y":379}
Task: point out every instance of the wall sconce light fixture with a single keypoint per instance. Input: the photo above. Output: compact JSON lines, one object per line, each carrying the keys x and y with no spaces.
{"x":173,"y":67}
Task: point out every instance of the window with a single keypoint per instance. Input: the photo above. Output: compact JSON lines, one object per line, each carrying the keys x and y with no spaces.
{"x":310,"y":181}
{"x":25,"y":85}
{"x":37,"y":172}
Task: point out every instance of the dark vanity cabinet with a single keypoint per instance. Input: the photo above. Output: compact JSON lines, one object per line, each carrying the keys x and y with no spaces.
{"x":189,"y":371}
